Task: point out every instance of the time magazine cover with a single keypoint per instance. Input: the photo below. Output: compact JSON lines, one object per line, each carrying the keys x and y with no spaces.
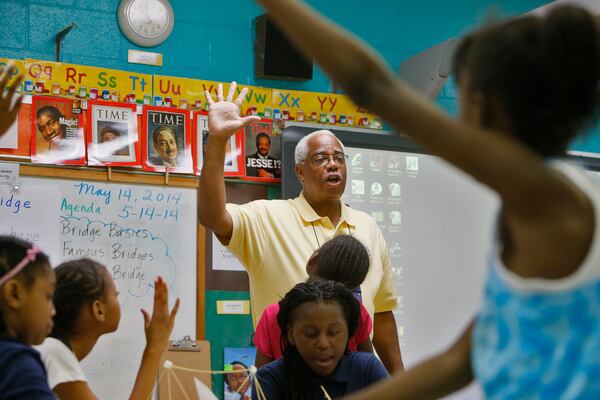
{"x":234,"y":162}
{"x":166,"y":140}
{"x":112,"y":134}
{"x":262,"y":160}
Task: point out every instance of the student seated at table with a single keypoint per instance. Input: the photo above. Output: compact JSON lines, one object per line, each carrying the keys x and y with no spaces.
{"x":342,"y":259}
{"x":317,"y":318}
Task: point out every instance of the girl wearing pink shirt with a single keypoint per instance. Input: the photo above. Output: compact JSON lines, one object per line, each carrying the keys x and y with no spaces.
{"x":343,"y":259}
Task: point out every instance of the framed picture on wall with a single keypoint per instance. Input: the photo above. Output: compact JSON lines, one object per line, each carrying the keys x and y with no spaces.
{"x":262,"y":159}
{"x":234,"y":162}
{"x":57,"y":131}
{"x":112,"y":134}
{"x":166,"y":140}
{"x":237,"y":383}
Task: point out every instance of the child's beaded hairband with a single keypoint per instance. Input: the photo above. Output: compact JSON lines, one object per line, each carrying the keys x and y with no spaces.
{"x":29,"y":257}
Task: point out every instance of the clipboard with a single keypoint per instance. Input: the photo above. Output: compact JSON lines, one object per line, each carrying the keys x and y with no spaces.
{"x":187,"y":353}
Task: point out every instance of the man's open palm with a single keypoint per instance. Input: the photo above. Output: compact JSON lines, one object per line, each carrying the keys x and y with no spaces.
{"x":224,"y":115}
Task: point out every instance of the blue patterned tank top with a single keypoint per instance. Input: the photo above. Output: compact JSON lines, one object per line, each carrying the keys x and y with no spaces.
{"x":538,"y":338}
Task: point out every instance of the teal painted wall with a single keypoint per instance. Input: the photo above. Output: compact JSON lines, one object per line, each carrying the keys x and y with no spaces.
{"x":214,"y":39}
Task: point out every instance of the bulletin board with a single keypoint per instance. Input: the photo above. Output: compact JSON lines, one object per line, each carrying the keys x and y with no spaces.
{"x":132,"y":225}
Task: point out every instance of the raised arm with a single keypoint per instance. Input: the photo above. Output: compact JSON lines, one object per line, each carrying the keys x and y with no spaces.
{"x":223,"y":121}
{"x":158,"y":329}
{"x":370,"y":83}
{"x":9,"y":106}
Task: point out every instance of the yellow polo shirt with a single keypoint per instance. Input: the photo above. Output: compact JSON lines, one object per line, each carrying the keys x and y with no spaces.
{"x":274,"y":239}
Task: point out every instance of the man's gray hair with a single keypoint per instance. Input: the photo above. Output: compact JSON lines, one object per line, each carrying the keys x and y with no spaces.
{"x":302,"y":147}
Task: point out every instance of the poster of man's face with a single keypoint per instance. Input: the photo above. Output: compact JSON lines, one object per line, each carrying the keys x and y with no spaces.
{"x":166,"y":141}
{"x":50,"y":127}
{"x":113,"y":135}
{"x":263,"y":151}
{"x":58,"y":131}
{"x":165,"y":146}
{"x":232,"y":150}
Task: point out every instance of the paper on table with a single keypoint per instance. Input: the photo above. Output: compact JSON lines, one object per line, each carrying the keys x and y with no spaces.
{"x":203,"y":392}
{"x":223,"y":259}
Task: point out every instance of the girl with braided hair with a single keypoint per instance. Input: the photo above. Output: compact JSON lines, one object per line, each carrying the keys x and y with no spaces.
{"x":317,"y":319}
{"x":87,"y":307}
{"x":342,"y":259}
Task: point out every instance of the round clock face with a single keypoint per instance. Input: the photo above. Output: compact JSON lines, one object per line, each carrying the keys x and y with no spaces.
{"x":146,"y":22}
{"x":148,"y":18}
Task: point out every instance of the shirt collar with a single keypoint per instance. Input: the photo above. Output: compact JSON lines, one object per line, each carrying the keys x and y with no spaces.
{"x":308,"y":214}
{"x":342,"y":372}
{"x":347,"y":214}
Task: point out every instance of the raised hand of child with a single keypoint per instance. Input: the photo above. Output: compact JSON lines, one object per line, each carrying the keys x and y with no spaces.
{"x":158,"y":327}
{"x":8,"y":106}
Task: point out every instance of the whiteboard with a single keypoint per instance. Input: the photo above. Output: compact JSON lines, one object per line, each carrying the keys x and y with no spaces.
{"x":137,"y":231}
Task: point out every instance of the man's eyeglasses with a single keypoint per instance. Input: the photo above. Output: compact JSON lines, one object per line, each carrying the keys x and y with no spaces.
{"x":322,"y":159}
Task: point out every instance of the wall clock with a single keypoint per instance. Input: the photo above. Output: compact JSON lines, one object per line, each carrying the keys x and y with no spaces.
{"x":146,"y":22}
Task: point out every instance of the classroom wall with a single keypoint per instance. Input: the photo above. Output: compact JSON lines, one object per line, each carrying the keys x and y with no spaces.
{"x":214,"y":40}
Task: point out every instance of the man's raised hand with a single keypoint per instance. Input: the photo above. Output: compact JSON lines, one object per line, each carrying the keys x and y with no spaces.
{"x":224,"y":115}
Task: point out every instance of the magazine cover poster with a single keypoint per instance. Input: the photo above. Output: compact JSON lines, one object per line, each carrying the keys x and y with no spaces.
{"x":234,"y":162}
{"x":57,"y":127}
{"x":262,"y":160}
{"x":166,"y":140}
{"x":238,"y":384}
{"x":112,"y":134}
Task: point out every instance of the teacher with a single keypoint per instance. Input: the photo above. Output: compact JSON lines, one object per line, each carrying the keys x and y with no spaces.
{"x":275,"y":238}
